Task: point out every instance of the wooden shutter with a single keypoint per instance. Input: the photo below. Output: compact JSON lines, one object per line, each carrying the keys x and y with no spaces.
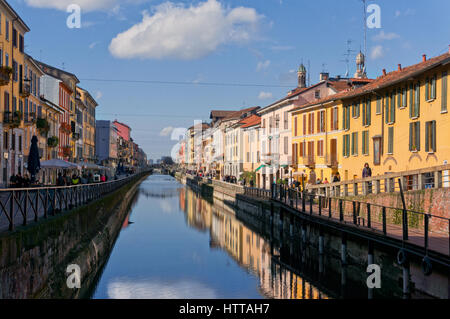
{"x":427,"y":89}
{"x":411,"y":101}
{"x":411,"y":132}
{"x":343,"y":145}
{"x":433,"y":87}
{"x":444,"y":92}
{"x":433,"y":136}
{"x":312,"y":123}
{"x":391,"y":140}
{"x":418,"y":136}
{"x":304,"y":124}
{"x":369,"y":112}
{"x":417,"y":101}
{"x":296,"y":126}
{"x":427,"y":136}
{"x":386,"y":107}
{"x":378,"y":105}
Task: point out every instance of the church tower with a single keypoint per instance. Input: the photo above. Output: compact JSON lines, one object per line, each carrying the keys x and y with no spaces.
{"x":301,"y":76}
{"x":360,"y":66}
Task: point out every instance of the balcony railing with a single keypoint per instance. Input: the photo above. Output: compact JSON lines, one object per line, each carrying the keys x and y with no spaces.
{"x":30,"y":118}
{"x":309,"y":160}
{"x":25,"y":91}
{"x":331,"y":160}
{"x":12,"y":118}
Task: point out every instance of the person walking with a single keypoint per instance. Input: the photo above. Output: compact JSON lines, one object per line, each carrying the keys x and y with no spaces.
{"x":60,"y":180}
{"x":367,"y":171}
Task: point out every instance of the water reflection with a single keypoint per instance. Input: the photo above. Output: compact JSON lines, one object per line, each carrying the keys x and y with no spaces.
{"x":250,"y":250}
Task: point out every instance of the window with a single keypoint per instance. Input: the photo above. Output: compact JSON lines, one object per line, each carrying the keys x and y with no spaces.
{"x":286,"y":145}
{"x":391,"y":140}
{"x":286,"y":118}
{"x":317,"y":94}
{"x":390,"y":108}
{"x":346,"y":118}
{"x":321,"y":122}
{"x":301,"y":149}
{"x":378,"y":109}
{"x":414,"y":100}
{"x":13,"y":141}
{"x":444,"y":96}
{"x":365,"y":142}
{"x":414,"y":136}
{"x":430,"y":136}
{"x":355,"y":143}
{"x":14,"y":40}
{"x":20,"y":143}
{"x":430,"y":88}
{"x":320,"y":148}
{"x":355,"y":109}
{"x":6,"y":59}
{"x":15,"y":75}
{"x":21,"y":43}
{"x":5,"y":141}
{"x":7,"y":29}
{"x":311,"y":123}
{"x":304,"y":124}
{"x":296,"y":126}
{"x":334,"y":119}
{"x":367,"y":112}
{"x":346,"y":145}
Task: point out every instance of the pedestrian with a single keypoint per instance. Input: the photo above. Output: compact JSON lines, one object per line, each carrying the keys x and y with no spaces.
{"x":336,"y":178}
{"x":326,"y":181}
{"x":367,"y":171}
{"x":60,"y":180}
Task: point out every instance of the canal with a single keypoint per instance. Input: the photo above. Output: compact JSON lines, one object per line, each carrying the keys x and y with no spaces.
{"x":176,"y":244}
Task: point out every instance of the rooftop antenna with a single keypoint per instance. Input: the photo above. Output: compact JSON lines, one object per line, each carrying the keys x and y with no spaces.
{"x":347,"y":56}
{"x":309,"y":74}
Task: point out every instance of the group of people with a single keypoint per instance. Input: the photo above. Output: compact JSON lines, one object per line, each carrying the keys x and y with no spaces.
{"x":67,"y":180}
{"x":19,"y":181}
{"x":230,"y":179}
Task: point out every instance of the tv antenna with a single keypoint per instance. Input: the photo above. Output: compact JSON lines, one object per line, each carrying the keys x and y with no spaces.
{"x":347,"y":56}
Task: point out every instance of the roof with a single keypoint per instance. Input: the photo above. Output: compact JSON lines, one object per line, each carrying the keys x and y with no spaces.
{"x":250,"y":121}
{"x":220,"y":114}
{"x":56,"y":72}
{"x":383,"y":81}
{"x":16,"y":15}
{"x":237,"y":114}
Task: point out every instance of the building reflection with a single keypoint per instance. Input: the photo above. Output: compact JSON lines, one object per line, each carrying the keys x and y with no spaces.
{"x":250,"y":250}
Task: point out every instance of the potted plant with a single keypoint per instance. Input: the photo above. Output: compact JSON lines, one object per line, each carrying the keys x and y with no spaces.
{"x":5,"y":75}
{"x":52,"y":141}
{"x":43,"y":126}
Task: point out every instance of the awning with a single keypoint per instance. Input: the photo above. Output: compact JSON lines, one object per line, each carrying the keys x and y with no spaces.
{"x":260,"y":168}
{"x":57,"y":163}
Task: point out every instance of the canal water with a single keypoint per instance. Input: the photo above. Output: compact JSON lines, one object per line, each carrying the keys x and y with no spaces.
{"x":176,"y":244}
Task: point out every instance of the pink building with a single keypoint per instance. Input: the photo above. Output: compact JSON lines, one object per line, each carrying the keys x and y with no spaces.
{"x":123,"y":130}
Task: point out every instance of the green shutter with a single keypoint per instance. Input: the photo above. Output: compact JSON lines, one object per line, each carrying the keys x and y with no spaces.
{"x":444,"y":92}
{"x":378,"y":105}
{"x":411,"y":101}
{"x":433,"y":87}
{"x":411,"y":136}
{"x":427,"y":88}
{"x":369,"y":112}
{"x":348,"y":144}
{"x":348,"y":118}
{"x":418,"y":136}
{"x":392,"y":118}
{"x":417,"y":100}
{"x":427,"y":134}
{"x":386,"y":107}
{"x":399,"y":97}
{"x":433,"y":136}
{"x":363,"y":142}
{"x":391,"y":140}
{"x":343,"y":117}
{"x":358,"y":109}
{"x":343,"y":145}
{"x":356,"y":143}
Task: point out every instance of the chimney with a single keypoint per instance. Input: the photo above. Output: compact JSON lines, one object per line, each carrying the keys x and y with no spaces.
{"x":399,"y":67}
{"x":424,"y":58}
{"x":384,"y":71}
{"x":324,"y":76}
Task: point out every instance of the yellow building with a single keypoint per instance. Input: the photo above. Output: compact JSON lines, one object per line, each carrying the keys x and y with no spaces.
{"x":88,"y":125}
{"x":396,"y":123}
{"x":13,"y":91}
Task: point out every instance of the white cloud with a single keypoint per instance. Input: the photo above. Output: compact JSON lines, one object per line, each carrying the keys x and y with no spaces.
{"x":407,"y":12}
{"x":180,"y":32}
{"x":166,"y":131}
{"x":263,"y":65}
{"x":92,"y":45}
{"x":86,"y":5}
{"x":98,"y":95}
{"x":265,"y":95}
{"x":146,"y":289}
{"x":377,"y":52}
{"x":385,"y":36}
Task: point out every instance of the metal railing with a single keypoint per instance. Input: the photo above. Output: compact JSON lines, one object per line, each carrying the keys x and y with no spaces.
{"x":21,"y":206}
{"x":424,"y":230}
{"x":433,"y":177}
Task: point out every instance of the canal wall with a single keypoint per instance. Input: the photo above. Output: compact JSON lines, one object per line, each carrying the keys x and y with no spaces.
{"x":285,"y":225}
{"x":34,"y":259}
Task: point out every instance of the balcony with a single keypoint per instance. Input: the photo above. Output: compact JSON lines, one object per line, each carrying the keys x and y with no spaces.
{"x":30,"y":119}
{"x":12,"y":119}
{"x":309,"y":161}
{"x":76,"y":136}
{"x":331,"y":160}
{"x":5,"y":75}
{"x":25,"y":91}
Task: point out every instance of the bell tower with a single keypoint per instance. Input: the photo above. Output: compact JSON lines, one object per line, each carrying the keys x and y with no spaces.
{"x":301,"y":76}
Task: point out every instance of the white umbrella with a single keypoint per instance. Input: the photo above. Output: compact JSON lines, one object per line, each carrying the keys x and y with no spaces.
{"x":59,"y":164}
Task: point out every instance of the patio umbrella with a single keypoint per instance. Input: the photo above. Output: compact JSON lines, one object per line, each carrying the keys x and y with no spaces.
{"x":34,"y":163}
{"x":59,"y":164}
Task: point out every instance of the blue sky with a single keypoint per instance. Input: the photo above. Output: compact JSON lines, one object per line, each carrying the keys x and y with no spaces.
{"x":218,"y":41}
